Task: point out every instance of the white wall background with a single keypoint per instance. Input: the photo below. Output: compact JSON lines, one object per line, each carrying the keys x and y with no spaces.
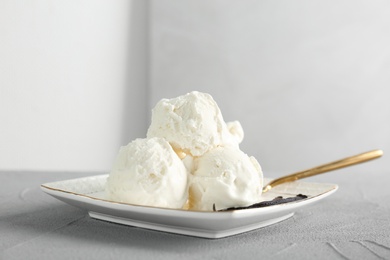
{"x":72,"y":82}
{"x":309,"y":80}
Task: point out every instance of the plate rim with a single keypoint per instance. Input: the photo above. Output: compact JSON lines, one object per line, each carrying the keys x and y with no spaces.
{"x":236,"y":221}
{"x":50,"y":190}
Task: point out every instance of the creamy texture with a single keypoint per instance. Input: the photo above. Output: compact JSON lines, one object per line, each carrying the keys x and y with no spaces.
{"x":190,"y":152}
{"x":193,"y":124}
{"x":226,"y":177}
{"x":236,"y":131}
{"x":148,"y":172}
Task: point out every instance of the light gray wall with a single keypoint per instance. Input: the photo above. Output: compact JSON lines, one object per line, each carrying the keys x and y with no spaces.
{"x":72,"y":82}
{"x":308,"y":80}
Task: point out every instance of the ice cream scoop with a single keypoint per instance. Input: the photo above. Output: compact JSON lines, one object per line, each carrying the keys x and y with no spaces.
{"x":148,"y":172}
{"x":193,"y":124}
{"x":224,"y":177}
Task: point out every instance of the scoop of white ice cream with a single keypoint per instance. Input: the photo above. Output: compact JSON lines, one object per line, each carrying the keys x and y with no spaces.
{"x":148,"y":172}
{"x":193,"y":124}
{"x":226,"y":177}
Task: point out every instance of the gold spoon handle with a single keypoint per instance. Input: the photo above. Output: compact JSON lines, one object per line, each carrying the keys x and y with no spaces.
{"x":364,"y":157}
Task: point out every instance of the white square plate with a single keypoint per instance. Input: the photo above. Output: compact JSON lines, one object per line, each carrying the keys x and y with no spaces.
{"x":88,"y":193}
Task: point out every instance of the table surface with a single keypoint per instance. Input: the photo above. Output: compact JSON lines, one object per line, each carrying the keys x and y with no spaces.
{"x":353,"y":223}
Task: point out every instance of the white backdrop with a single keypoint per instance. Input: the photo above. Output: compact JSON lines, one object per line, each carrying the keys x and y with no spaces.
{"x":72,"y":82}
{"x":308,"y":80}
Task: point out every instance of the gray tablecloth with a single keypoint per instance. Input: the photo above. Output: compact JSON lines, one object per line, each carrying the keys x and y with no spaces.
{"x":353,"y":223}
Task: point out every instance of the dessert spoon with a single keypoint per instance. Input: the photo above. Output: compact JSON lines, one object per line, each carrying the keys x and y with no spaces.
{"x":356,"y":159}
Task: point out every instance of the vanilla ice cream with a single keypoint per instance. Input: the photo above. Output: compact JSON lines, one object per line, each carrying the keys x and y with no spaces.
{"x":148,"y":172}
{"x":190,"y":159}
{"x":225,"y":177}
{"x":193,"y":124}
{"x":236,"y":131}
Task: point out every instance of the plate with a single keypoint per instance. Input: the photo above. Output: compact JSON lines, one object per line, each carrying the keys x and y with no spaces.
{"x":88,"y":193}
